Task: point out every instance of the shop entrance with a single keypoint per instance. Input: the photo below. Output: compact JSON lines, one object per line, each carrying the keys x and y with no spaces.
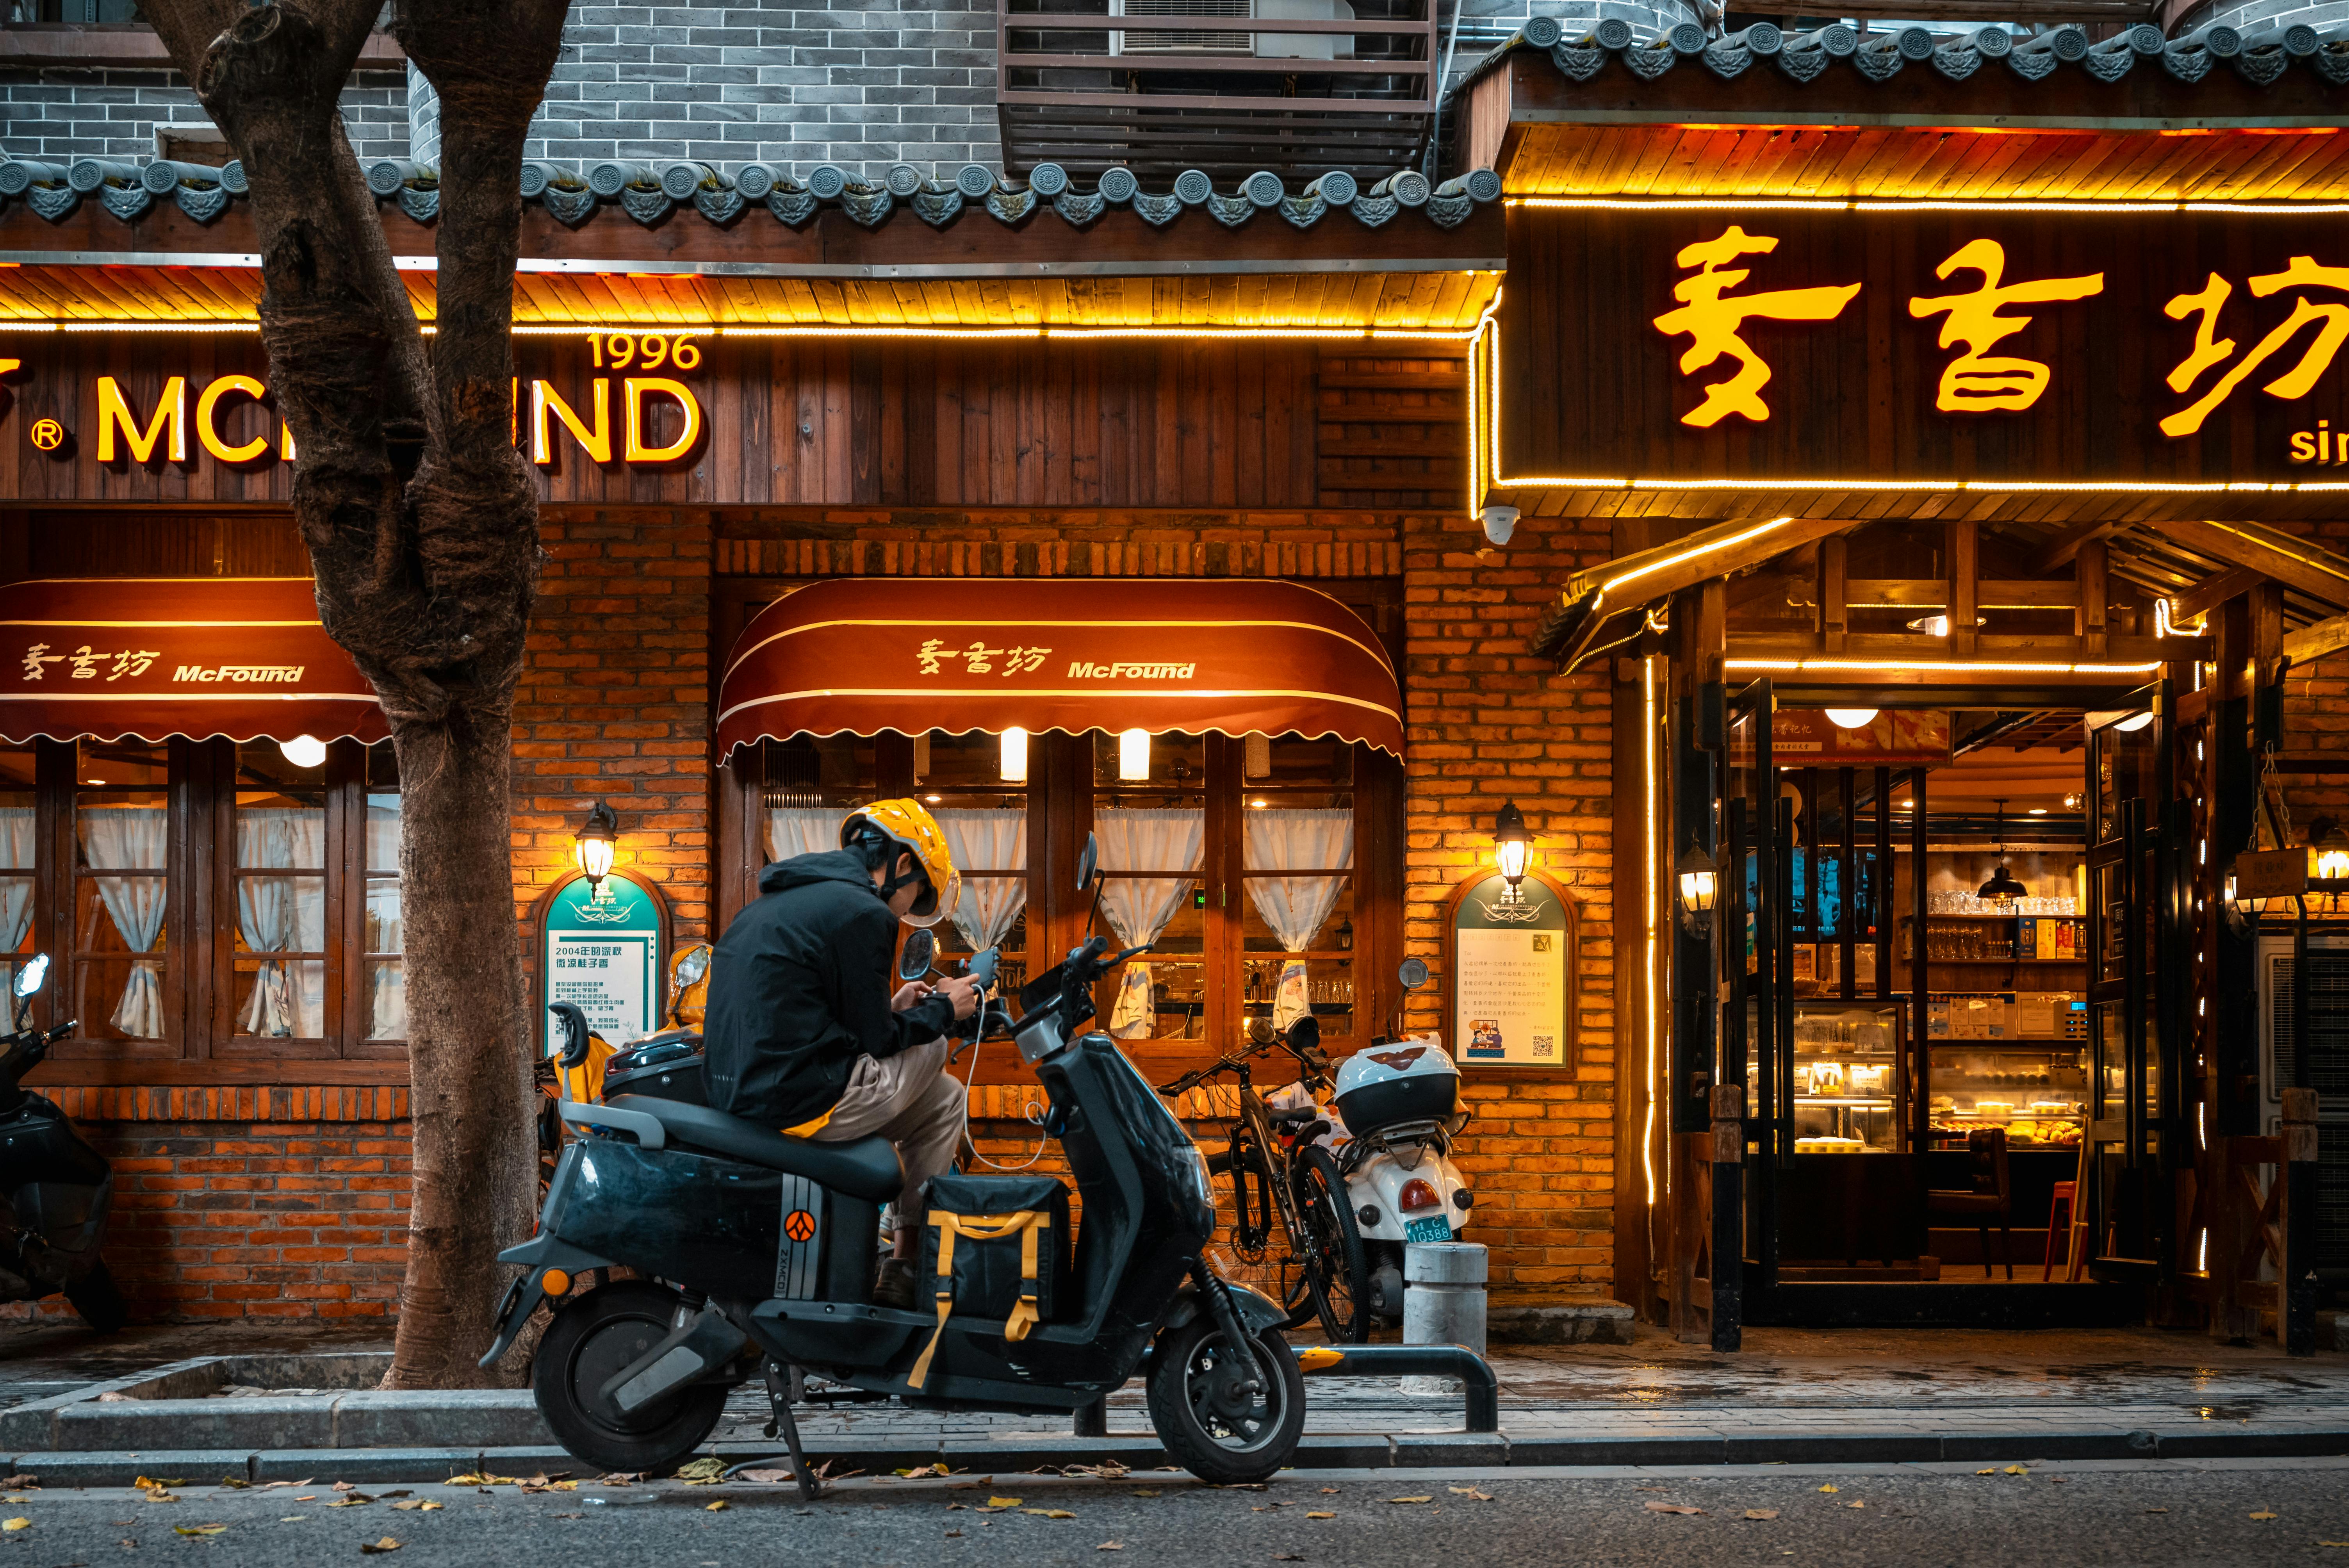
{"x":1954,"y":962}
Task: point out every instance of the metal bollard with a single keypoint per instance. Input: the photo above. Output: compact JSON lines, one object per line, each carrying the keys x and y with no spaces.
{"x":1443,"y":1302}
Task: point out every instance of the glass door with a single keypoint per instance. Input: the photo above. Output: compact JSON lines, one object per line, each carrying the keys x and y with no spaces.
{"x":2134,"y":962}
{"x":1760,"y":943}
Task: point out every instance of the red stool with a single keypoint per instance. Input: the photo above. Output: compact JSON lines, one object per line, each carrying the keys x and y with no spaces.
{"x":2062,"y":1204}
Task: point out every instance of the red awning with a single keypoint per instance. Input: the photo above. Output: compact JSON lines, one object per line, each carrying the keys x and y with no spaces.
{"x":116,"y":658}
{"x":1237,"y":658}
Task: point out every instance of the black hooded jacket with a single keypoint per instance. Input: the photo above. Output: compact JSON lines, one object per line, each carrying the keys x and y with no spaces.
{"x":799,"y":988}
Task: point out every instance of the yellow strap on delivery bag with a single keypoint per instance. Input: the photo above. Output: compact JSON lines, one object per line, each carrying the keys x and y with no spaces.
{"x":1027,"y":1223}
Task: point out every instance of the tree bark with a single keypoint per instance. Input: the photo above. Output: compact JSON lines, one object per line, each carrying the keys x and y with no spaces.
{"x":423,"y":530}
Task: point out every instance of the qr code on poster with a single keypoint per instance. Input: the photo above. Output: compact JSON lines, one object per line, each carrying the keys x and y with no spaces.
{"x":1545,"y":1045}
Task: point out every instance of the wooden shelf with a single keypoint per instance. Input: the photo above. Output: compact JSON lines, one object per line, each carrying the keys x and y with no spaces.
{"x":1911,"y":920}
{"x":2007,"y":963}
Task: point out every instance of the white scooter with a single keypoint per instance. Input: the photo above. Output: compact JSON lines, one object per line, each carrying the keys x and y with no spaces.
{"x":1399,"y":1102}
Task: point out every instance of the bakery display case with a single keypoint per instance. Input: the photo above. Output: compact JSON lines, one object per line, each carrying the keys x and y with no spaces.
{"x":1847,"y":1077}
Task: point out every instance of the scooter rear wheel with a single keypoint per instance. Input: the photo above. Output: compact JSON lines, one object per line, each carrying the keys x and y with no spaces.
{"x":1215,"y":1427}
{"x":590,"y":1340}
{"x":100,"y":1301}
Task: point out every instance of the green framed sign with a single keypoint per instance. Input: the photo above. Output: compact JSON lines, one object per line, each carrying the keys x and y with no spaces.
{"x":603,"y":948}
{"x":1510,"y":966}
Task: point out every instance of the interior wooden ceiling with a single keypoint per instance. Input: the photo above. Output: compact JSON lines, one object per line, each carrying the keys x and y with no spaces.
{"x":2308,"y":163}
{"x":1444,"y":301}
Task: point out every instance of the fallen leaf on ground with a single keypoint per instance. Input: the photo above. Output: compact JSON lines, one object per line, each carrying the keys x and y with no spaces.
{"x":951,"y":1534}
{"x":351,"y":1499}
{"x":1002,"y":1503}
{"x":1654,"y":1506}
{"x":1410,"y":1500}
{"x":290,"y":1518}
{"x":923,"y":1473}
{"x":2016,"y":1470}
{"x":1470,"y":1491}
{"x":619,"y":1478}
{"x":1991,"y":1471}
{"x":482,"y":1480}
{"x":274,"y":1485}
{"x":1049,"y":1512}
{"x":702,"y":1471}
{"x":16,"y":1480}
{"x":764,"y":1477}
{"x":1323,"y":1515}
{"x":2263,"y":1515}
{"x":234,"y":1483}
{"x":1144,"y":1491}
{"x":114,"y":1397}
{"x":973,"y":1484}
{"x":198,"y":1529}
{"x":958,"y":1508}
{"x":346,"y":1486}
{"x":309,"y":1497}
{"x":16,"y":1524}
{"x":2157,"y":1511}
{"x":1830,"y":1486}
{"x":417,"y":1505}
{"x":719,"y":1506}
{"x":372,"y":1547}
{"x":2333,"y":1544}
{"x":1761,"y":1514}
{"x":1855,"y":1504}
{"x":1110,"y":1546}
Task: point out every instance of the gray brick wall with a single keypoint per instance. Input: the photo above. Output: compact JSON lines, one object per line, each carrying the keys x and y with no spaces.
{"x":66,"y":113}
{"x":862,"y":82}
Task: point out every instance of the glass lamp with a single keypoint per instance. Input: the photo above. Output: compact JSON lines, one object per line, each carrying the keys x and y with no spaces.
{"x":1698,"y":883}
{"x":594,"y":843}
{"x":1511,"y":846}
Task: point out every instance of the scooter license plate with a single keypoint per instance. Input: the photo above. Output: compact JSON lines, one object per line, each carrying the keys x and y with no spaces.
{"x":1435,"y":1228}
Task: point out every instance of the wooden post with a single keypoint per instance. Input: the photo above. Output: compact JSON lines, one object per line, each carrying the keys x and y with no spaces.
{"x":2296,"y":1219}
{"x":1834,"y":617}
{"x":1965,"y":588}
{"x":2088,"y":568}
{"x":1728,"y":1215}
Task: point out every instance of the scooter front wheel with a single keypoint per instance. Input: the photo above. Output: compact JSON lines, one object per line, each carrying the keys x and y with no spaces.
{"x":1214,"y":1424}
{"x":592,"y":1339}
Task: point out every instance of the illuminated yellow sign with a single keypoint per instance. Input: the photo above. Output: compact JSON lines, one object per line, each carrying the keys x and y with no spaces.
{"x":1711,"y":317}
{"x":1975,"y":383}
{"x":2330,"y":318}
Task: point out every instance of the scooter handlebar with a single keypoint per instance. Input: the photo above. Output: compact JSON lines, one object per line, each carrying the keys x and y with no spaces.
{"x":62,"y":1030}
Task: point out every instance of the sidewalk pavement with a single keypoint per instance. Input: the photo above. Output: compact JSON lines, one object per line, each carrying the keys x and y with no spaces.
{"x":1790,"y":1396}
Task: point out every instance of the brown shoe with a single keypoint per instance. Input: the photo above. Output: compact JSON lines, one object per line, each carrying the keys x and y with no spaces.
{"x":893,"y":1285}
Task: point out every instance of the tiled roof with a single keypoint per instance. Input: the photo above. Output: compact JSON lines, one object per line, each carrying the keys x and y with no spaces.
{"x":649,"y":192}
{"x":2260,"y":55}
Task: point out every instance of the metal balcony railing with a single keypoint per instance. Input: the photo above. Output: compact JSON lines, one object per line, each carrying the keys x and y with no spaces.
{"x":1228,"y":87}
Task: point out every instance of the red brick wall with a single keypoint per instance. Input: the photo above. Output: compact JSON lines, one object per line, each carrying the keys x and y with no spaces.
{"x":614,"y":705}
{"x":255,"y":1204}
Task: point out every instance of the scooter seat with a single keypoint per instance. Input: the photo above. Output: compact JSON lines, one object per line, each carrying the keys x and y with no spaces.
{"x":865,"y":1168}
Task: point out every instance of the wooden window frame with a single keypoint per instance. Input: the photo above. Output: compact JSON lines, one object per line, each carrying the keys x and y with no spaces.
{"x":199,"y":1042}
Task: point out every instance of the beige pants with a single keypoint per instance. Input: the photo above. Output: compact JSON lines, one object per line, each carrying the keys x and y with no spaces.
{"x":914,"y":1102}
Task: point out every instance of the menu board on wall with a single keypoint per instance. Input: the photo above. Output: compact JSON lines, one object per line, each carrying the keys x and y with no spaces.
{"x":602,"y":950}
{"x":1511,"y":973}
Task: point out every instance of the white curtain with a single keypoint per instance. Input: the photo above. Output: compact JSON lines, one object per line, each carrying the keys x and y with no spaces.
{"x":803,"y":831}
{"x":15,"y":891}
{"x":123,"y":838}
{"x":1281,"y":838}
{"x":277,"y":914}
{"x":1148,"y":839}
{"x":387,"y":977}
{"x":994,"y":841}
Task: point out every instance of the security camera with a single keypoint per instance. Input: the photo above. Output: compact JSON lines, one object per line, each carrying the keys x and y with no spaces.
{"x":1500,"y":521}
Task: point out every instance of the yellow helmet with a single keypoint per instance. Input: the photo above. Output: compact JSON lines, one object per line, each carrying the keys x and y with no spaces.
{"x":909,"y":826}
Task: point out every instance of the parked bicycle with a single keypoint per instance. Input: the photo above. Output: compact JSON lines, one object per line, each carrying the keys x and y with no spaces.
{"x":1297,"y":1187}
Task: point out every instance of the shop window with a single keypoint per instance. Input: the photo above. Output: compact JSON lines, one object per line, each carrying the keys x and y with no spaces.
{"x":19,"y":863}
{"x":1297,"y":832}
{"x":985,"y":819}
{"x":1149,"y":813}
{"x":278,"y":966}
{"x":379,"y":940}
{"x":806,"y":785}
{"x":124,"y":974}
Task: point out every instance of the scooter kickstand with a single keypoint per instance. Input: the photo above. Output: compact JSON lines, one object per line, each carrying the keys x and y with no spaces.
{"x":778,"y":1399}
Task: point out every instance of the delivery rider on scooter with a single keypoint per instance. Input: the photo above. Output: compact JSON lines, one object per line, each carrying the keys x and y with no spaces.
{"x":802,"y":1032}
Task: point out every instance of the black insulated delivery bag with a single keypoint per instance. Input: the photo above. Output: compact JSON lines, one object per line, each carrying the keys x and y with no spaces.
{"x":992,"y":1247}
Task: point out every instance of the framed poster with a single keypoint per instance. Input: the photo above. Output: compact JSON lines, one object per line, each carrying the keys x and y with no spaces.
{"x":604,"y":949}
{"x":1510,"y":968}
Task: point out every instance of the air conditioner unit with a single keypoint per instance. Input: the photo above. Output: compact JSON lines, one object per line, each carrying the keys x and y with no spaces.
{"x":1268,"y":45}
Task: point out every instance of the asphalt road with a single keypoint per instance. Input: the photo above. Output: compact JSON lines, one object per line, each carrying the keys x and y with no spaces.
{"x":2173,"y":1513}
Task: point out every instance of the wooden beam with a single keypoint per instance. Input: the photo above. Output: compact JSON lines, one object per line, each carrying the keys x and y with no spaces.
{"x":1933,"y":594}
{"x":1713,"y":551}
{"x":2310,"y":644}
{"x":2065,"y":546}
{"x":1833,"y":618}
{"x":2041,"y":647}
{"x":1965,"y":586}
{"x":2212,"y":592}
{"x":2299,"y":565}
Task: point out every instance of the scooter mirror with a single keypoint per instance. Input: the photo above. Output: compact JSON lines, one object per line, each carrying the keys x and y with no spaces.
{"x":1259,"y":1030}
{"x":1088,"y":862}
{"x":1412,"y":973}
{"x":1305,"y":1034}
{"x":913,"y":960}
{"x":693,"y":965}
{"x":32,"y":974}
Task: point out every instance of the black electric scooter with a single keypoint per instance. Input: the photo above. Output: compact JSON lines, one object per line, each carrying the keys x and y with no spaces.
{"x":55,"y":1189}
{"x":757,"y":1251}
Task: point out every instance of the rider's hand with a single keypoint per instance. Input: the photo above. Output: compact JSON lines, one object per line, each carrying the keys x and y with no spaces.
{"x":964,"y":992}
{"x":910,"y":995}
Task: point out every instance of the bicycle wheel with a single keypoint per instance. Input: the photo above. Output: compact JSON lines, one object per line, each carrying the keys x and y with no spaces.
{"x":1336,"y":1275}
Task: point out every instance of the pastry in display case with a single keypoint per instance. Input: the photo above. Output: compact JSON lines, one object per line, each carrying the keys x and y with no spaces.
{"x":2036,"y":1090}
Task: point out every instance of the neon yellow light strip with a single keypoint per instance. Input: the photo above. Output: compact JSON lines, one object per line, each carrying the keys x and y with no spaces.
{"x":1016,"y":691}
{"x":161,"y":696}
{"x":1943,"y":666}
{"x":1648,"y":887}
{"x":1953,"y":204}
{"x":999,"y":622}
{"x":1268,"y":332}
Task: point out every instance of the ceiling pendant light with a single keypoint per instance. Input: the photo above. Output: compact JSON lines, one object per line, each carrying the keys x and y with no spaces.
{"x":2002,"y":888}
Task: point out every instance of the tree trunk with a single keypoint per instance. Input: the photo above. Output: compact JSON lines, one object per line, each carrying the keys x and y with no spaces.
{"x":422,"y":529}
